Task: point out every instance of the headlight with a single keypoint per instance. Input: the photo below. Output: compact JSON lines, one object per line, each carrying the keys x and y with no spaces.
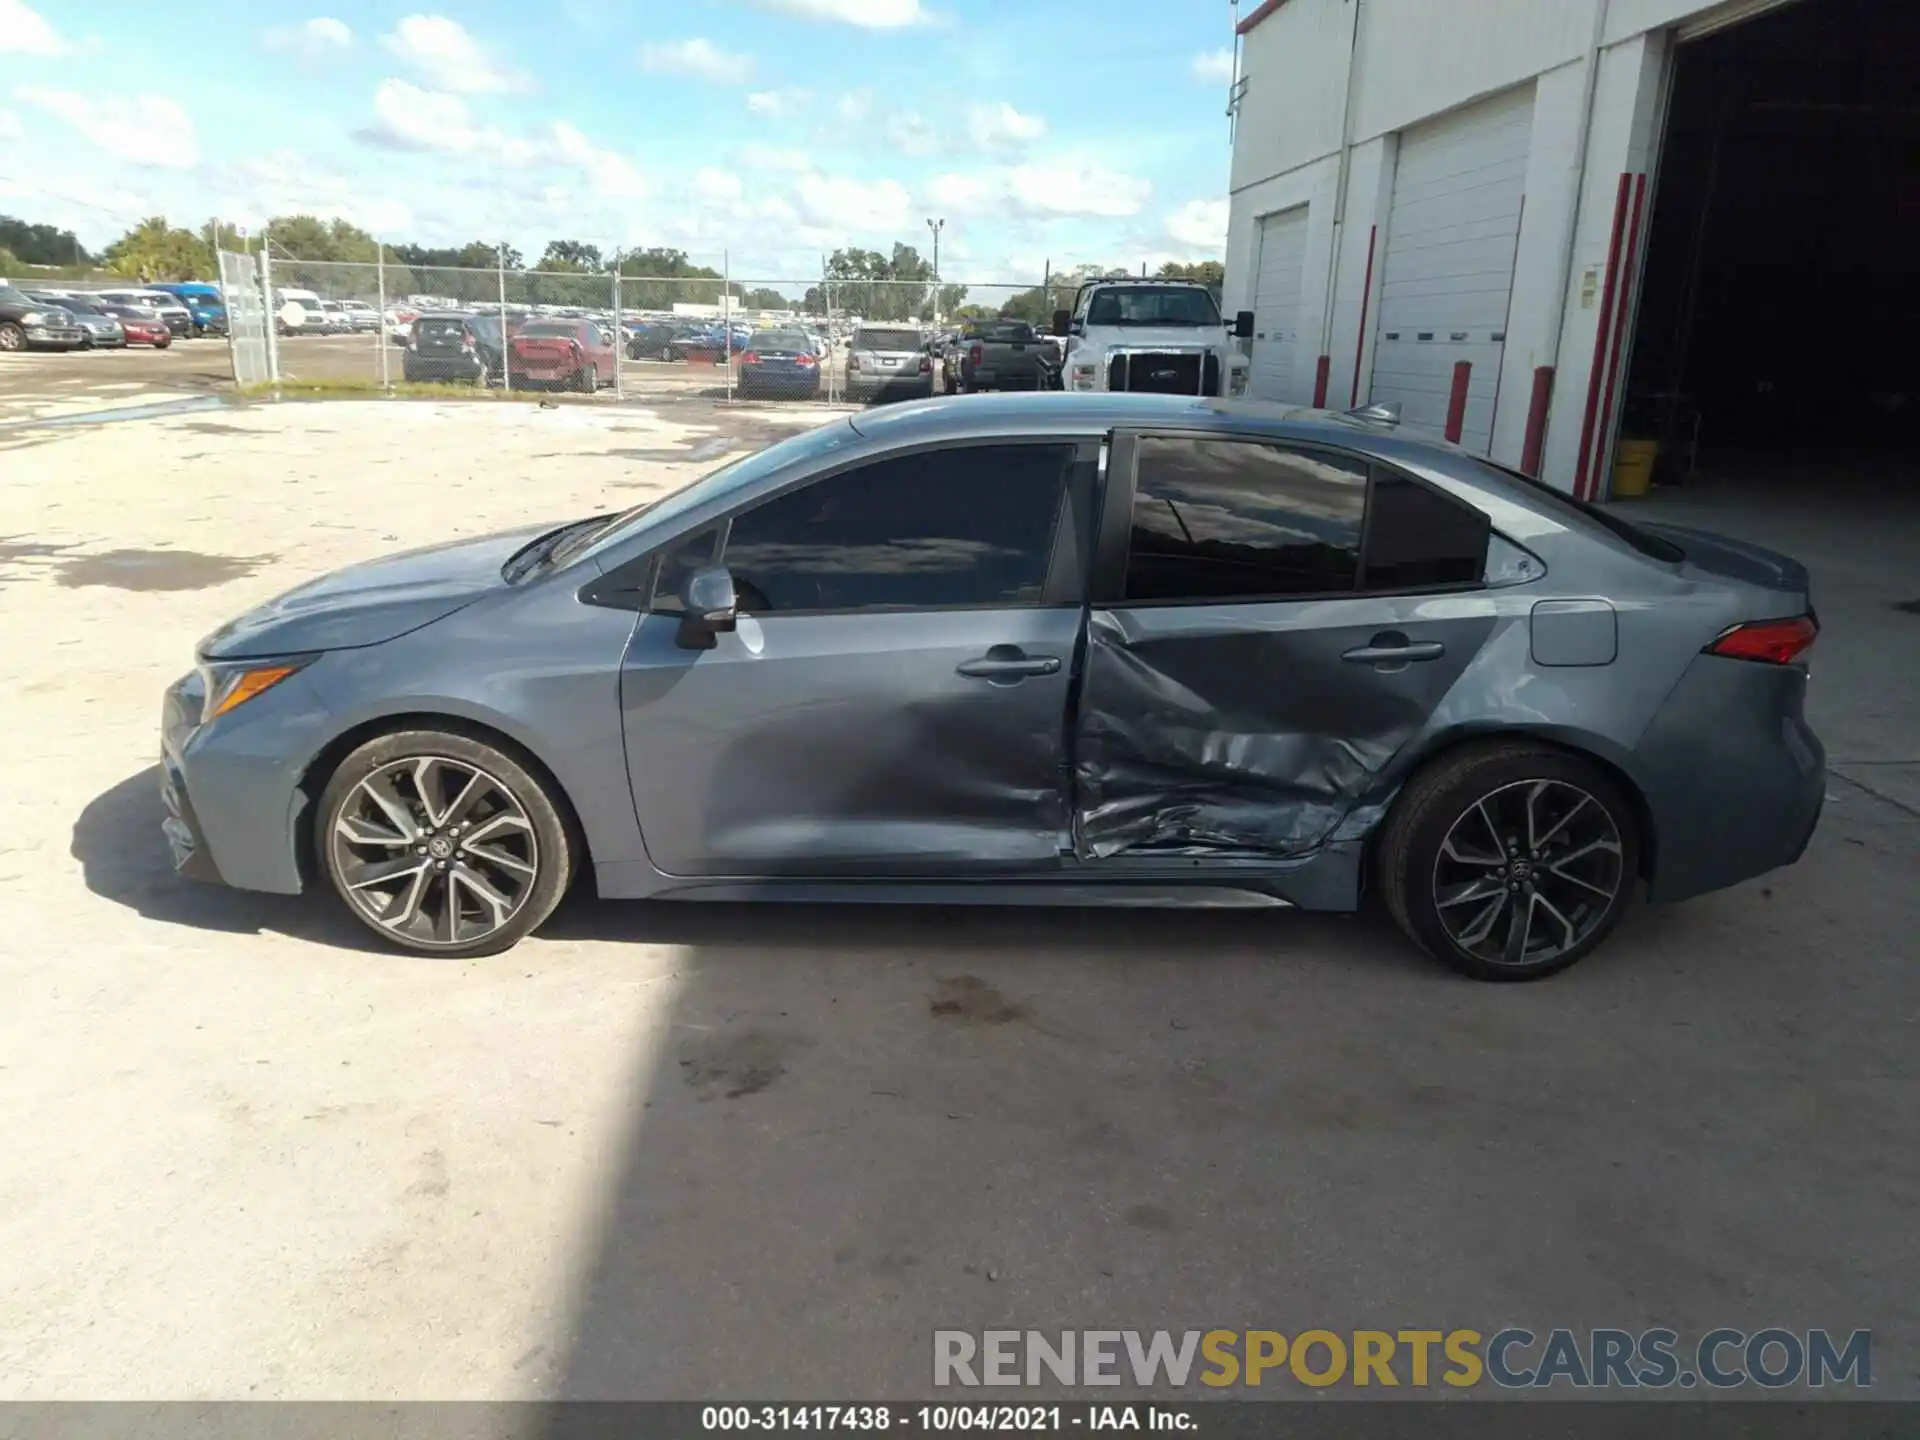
{"x":1083,"y":376}
{"x":34,"y":317}
{"x":1237,"y":377}
{"x":229,"y":684}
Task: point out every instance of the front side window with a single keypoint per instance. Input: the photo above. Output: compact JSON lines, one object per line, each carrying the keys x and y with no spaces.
{"x":677,"y":564}
{"x":1218,"y":520}
{"x":972,"y":525}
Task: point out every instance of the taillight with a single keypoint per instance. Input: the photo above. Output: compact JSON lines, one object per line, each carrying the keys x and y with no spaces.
{"x":1773,"y":642}
{"x":853,"y":362}
{"x":973,"y":355}
{"x":749,"y":358}
{"x":926,"y":365}
{"x":805,"y":360}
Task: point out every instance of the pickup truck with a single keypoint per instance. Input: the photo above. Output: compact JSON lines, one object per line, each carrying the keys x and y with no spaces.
{"x":1164,"y":336}
{"x":1008,"y":355}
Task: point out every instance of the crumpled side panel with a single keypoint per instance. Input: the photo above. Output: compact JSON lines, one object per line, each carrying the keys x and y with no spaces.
{"x":1250,"y":738}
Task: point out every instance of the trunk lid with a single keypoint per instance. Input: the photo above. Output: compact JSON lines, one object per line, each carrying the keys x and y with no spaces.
{"x":1728,"y":559}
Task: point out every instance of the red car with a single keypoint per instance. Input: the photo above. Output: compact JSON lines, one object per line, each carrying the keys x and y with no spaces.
{"x":571,"y":354}
{"x":143,"y":327}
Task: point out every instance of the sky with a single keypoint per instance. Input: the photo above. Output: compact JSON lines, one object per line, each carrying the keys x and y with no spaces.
{"x":770,"y":132}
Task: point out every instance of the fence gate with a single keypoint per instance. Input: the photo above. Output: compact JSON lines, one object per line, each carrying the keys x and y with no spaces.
{"x":247,"y":318}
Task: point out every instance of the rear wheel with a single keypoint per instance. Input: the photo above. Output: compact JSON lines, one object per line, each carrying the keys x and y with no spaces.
{"x":440,"y":843}
{"x":1509,"y":861}
{"x":587,"y":381}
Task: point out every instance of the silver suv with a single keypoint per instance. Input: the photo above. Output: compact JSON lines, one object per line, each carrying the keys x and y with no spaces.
{"x":888,"y":362}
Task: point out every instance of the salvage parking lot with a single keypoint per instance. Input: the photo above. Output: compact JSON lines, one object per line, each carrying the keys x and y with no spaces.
{"x":722,"y":1151}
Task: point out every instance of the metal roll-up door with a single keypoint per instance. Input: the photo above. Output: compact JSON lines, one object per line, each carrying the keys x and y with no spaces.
{"x":1447,"y":274}
{"x":1276,"y":305}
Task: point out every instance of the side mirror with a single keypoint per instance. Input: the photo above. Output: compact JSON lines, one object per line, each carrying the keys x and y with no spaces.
{"x":1243,"y":325}
{"x":1062,"y":321}
{"x":711,"y":608}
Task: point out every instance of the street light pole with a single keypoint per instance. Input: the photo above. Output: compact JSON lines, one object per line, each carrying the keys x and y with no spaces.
{"x":936,"y":226}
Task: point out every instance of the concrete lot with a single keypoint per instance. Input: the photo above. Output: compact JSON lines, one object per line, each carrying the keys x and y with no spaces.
{"x":717,"y":1151}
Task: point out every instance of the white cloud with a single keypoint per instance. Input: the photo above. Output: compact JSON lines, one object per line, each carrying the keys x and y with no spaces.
{"x":774,"y":103}
{"x":25,"y":31}
{"x":770,"y":157}
{"x":1001,"y":127}
{"x":1076,"y":190}
{"x":713,"y":184}
{"x":610,"y":174}
{"x":9,"y":127}
{"x":965,"y":193}
{"x":696,"y":57}
{"x":406,"y":117}
{"x":449,"y":57}
{"x":854,"y":106}
{"x":1215,"y":67}
{"x":868,"y":14}
{"x":146,"y":129}
{"x":322,"y":35}
{"x":1201,"y":224}
{"x":853,"y":205}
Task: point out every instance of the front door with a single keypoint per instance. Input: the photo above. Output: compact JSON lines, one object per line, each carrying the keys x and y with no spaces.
{"x":893,"y":701}
{"x":1267,"y":642}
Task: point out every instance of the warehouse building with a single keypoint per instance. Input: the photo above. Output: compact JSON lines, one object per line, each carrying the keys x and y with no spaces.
{"x":1540,"y":225}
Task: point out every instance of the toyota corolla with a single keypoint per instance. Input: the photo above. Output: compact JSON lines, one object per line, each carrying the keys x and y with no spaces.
{"x":1043,"y":649}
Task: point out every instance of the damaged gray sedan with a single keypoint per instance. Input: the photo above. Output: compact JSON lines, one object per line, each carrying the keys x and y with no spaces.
{"x":1054,"y":649}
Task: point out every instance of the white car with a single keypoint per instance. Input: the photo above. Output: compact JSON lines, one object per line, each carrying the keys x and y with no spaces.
{"x":1164,"y":336}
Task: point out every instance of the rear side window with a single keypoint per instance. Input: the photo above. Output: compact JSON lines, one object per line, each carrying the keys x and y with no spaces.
{"x":1418,"y":539}
{"x":971,"y":525}
{"x":1217,"y":520}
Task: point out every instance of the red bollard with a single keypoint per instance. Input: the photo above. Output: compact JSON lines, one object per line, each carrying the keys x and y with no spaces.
{"x":1457,"y":401}
{"x":1536,"y":438}
{"x":1320,"y":373}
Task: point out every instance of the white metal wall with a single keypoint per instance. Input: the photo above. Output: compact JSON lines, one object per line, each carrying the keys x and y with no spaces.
{"x":1446,"y":276}
{"x":1278,"y":280}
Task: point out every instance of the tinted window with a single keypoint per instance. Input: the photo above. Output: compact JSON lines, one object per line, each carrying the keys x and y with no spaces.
{"x":967,"y":526}
{"x":1417,"y":537}
{"x":1153,"y":305}
{"x":551,"y":330}
{"x":1227,"y":520}
{"x":887,"y":340}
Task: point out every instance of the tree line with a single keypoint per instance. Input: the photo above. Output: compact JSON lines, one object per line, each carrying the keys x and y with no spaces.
{"x":337,"y":258}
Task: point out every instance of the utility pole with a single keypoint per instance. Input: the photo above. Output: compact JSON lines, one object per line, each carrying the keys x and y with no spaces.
{"x":936,"y":226}
{"x":500,"y":263}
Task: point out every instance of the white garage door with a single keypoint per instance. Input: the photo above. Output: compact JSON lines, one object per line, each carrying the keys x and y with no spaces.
{"x":1276,"y":306}
{"x":1448,"y":271}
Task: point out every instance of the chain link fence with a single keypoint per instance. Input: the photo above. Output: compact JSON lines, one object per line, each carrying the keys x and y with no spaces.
{"x":781,"y":338}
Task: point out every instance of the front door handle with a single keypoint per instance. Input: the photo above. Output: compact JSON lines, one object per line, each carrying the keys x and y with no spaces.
{"x":1394,"y":649}
{"x":1007,"y":665}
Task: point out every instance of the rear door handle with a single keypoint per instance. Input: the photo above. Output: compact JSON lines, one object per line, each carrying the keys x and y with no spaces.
{"x":1383,"y":651}
{"x":1008,"y":665}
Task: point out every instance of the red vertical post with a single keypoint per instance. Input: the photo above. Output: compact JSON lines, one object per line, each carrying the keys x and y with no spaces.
{"x":1320,"y":373}
{"x":1536,"y":439}
{"x":1597,"y":374}
{"x":1366,"y":298}
{"x":1457,"y":400}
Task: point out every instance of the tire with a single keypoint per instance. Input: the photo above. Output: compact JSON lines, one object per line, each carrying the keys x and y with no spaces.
{"x":587,"y":381}
{"x":1479,"y":799}
{"x":524,"y":825}
{"x":13,"y":339}
{"x":666,"y":353}
{"x":163,"y":342}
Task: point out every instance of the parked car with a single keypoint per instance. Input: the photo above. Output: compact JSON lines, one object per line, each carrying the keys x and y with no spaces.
{"x":563,"y":354}
{"x":398,"y":325}
{"x":206,"y":306}
{"x":1159,"y":336}
{"x":299,"y":312}
{"x":177,"y":318}
{"x":1009,"y":355}
{"x":651,"y":340}
{"x":779,"y":363}
{"x":362,"y":318}
{"x":461,"y":346}
{"x":140,"y":326}
{"x":103,"y":331}
{"x":28,"y":324}
{"x":888,"y":362}
{"x":1122,"y":649}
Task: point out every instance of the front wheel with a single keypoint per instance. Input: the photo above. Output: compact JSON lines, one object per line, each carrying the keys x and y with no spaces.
{"x":163,"y":342}
{"x":12,"y":337}
{"x":440,"y":843}
{"x":1509,"y":861}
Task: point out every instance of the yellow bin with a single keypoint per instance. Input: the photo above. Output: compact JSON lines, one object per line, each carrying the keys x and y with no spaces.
{"x":1633,"y":468}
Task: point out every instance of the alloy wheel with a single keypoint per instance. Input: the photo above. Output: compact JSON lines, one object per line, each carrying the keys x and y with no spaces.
{"x":1528,"y":872}
{"x":435,"y":850}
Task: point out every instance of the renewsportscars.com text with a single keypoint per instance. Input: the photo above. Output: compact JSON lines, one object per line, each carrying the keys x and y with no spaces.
{"x":1512,"y":1358}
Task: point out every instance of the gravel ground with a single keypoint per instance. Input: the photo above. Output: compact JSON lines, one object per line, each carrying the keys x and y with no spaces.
{"x":706,"y":1151}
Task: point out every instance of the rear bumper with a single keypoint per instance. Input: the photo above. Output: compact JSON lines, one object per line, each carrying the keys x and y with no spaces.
{"x":464,"y":367}
{"x":1734,"y":779}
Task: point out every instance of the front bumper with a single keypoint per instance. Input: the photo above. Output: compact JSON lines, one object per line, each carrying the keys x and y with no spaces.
{"x":231,"y":787}
{"x":55,"y":337}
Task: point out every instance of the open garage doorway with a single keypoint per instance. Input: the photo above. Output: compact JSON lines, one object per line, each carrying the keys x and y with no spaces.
{"x":1780,"y":302}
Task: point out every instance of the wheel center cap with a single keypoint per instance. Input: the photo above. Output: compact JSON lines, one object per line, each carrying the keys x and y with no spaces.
{"x":440,"y":847}
{"x":1522,"y":869}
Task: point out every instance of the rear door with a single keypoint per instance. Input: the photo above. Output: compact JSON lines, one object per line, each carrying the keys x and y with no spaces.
{"x":1270,"y":624}
{"x":894,"y":699}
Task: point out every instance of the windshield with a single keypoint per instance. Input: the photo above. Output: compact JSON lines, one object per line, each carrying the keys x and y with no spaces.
{"x":1153,"y":305}
{"x":1652,"y":546}
{"x":718,"y":484}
